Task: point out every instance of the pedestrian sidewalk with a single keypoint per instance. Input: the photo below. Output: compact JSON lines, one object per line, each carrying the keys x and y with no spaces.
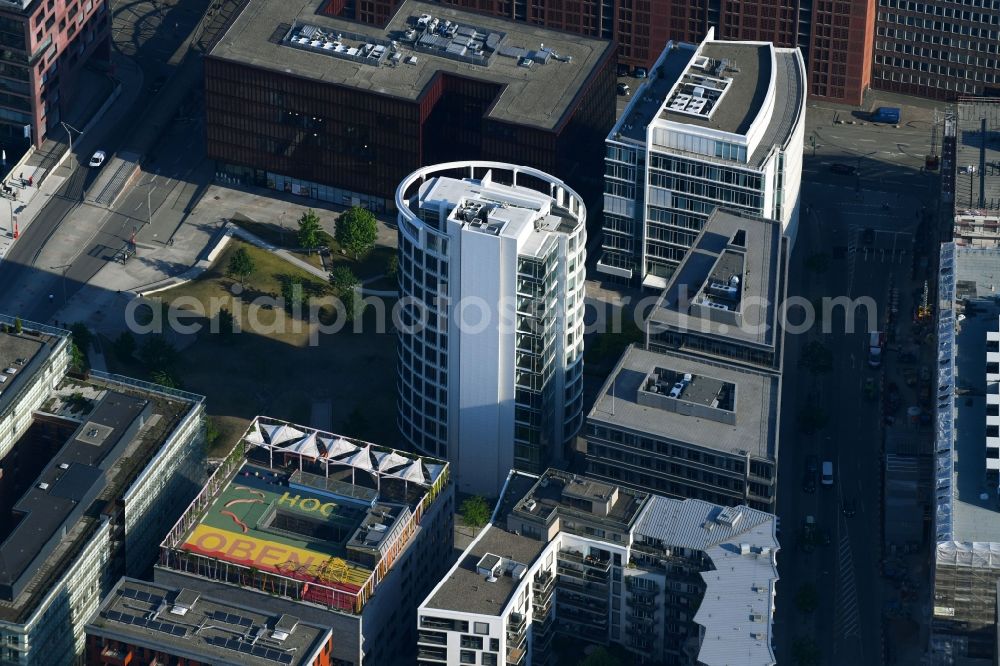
{"x":42,"y":167}
{"x":30,"y":200}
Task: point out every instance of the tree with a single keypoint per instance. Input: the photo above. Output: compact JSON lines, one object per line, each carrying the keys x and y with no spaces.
{"x":357,"y":231}
{"x":812,"y":418}
{"x":157,"y":354}
{"x":164,"y":378}
{"x":82,"y":336}
{"x":77,"y":359}
{"x":343,"y":279}
{"x":292,"y":295}
{"x":18,"y":326}
{"x":475,"y":511}
{"x":392,"y":265}
{"x":600,"y":657}
{"x":356,"y":423}
{"x":817,"y":358}
{"x":807,"y":598}
{"x":241,"y":265}
{"x":212,"y":432}
{"x":227,"y":323}
{"x":805,"y":652}
{"x":124,"y":346}
{"x":310,"y":233}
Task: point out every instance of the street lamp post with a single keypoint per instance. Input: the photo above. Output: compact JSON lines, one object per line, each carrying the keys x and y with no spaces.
{"x":66,"y":126}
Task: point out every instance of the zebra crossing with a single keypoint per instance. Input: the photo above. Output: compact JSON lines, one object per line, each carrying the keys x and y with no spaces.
{"x":848,"y":618}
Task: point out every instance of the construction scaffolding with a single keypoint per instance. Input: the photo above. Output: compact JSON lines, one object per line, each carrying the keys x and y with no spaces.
{"x":965,"y":599}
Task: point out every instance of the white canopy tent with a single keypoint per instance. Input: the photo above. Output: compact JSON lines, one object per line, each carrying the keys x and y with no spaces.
{"x":338,"y":450}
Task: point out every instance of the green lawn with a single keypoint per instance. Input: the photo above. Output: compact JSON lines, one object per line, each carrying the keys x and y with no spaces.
{"x":370,"y":265}
{"x":270,"y":367}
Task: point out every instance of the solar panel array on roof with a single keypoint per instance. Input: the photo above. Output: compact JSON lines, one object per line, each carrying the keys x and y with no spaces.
{"x":230,"y":618}
{"x":141,"y":595}
{"x":155,"y":625}
{"x":244,"y":647}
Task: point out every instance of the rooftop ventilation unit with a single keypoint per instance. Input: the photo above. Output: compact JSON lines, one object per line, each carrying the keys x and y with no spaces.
{"x":488,"y":565}
{"x":729,"y":516}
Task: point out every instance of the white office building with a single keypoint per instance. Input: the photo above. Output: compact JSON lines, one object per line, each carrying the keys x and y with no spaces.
{"x":95,"y":472}
{"x":717,"y":124}
{"x":491,"y":270}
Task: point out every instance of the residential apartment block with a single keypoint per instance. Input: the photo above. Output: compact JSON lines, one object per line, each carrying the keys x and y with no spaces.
{"x":679,"y":582}
{"x":680,"y":426}
{"x":937,"y":48}
{"x":45,"y":45}
{"x":340,"y":111}
{"x":145,"y":623}
{"x":970,"y":171}
{"x":89,"y":487}
{"x":491,"y":269}
{"x":333,"y":531}
{"x":725,"y":300}
{"x":718,"y":124}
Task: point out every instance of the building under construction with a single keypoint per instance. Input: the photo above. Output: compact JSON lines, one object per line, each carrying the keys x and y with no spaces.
{"x":967,"y":483}
{"x":971,"y":170}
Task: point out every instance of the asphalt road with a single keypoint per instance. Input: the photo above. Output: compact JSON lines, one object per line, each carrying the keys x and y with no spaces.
{"x":145,"y":31}
{"x":885,"y":197}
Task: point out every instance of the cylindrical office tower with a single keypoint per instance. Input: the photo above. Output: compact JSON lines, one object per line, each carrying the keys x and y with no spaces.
{"x":491,"y":274}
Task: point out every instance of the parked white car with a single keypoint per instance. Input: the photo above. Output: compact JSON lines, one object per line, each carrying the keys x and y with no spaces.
{"x":98,"y":159}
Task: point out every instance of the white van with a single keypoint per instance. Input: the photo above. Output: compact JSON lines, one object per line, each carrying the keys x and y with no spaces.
{"x":827,"y":476}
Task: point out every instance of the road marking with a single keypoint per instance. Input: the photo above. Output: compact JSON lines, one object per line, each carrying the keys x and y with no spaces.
{"x":848,"y":615}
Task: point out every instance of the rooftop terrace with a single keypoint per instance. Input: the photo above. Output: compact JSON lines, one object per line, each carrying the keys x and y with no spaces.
{"x":315,"y":510}
{"x":191,"y":625}
{"x":538,"y":71}
{"x":626,"y":401}
{"x":729,"y":283}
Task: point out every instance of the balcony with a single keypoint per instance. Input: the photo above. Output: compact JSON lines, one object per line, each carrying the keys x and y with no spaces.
{"x":540,"y":607}
{"x":515,"y":656}
{"x":642,"y":600}
{"x":581,"y":573}
{"x":516,"y":623}
{"x":588,"y":561}
{"x":543,"y":584}
{"x":595,"y":589}
{"x":640,"y":630}
{"x":433,"y":654}
{"x":577,"y":601}
{"x":432,"y":638}
{"x":590,"y":619}
{"x":115,"y":655}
